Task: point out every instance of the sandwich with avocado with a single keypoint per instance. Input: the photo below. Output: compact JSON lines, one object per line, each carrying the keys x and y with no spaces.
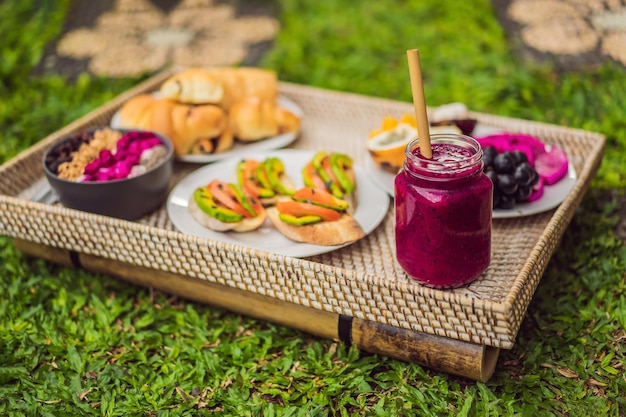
{"x":315,"y":216}
{"x":265,"y":180}
{"x":333,"y":172}
{"x":223,"y":206}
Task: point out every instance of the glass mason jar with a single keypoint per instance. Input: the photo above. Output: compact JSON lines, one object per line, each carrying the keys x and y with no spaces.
{"x":443,"y":212}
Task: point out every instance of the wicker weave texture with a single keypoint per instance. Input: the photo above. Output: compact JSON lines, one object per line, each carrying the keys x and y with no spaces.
{"x":361,"y":280}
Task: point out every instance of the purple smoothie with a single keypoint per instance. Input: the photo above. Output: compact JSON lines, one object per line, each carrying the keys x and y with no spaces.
{"x":443,"y":213}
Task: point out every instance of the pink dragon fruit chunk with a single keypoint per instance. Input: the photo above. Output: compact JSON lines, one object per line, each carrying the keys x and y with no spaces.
{"x":499,"y":145}
{"x":535,"y":144}
{"x":537,"y":192}
{"x":552,"y":165}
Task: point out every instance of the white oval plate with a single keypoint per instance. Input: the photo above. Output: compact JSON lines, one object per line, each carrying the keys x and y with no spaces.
{"x":275,"y":142}
{"x":372,"y":207}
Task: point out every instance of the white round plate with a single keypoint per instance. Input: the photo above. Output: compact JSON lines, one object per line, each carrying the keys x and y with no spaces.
{"x":553,"y":194}
{"x":383,"y":179}
{"x":275,"y":142}
{"x":372,"y":207}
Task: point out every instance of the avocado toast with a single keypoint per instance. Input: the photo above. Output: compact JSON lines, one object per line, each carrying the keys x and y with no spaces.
{"x":223,"y":206}
{"x":314,"y":215}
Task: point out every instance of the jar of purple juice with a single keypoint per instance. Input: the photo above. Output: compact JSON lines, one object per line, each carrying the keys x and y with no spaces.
{"x":443,"y":212}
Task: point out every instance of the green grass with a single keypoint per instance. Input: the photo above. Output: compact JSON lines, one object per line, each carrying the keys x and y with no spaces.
{"x":76,"y":343}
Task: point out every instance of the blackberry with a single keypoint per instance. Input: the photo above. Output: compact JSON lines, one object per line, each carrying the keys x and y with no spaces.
{"x":512,"y":176}
{"x":489,"y":153}
{"x":504,"y":163}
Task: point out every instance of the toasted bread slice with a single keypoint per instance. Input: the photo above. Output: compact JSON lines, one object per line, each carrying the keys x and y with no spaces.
{"x":339,"y":232}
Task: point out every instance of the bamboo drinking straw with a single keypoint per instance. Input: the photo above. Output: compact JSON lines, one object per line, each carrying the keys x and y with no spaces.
{"x":419,"y":101}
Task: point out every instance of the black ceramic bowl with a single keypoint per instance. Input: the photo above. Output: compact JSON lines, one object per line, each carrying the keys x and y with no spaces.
{"x":129,"y":198}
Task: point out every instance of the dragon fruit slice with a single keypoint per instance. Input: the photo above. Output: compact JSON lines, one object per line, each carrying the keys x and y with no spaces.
{"x":498,"y":144}
{"x":506,"y":142}
{"x":537,"y":192}
{"x":536,"y":145}
{"x":552,"y":165}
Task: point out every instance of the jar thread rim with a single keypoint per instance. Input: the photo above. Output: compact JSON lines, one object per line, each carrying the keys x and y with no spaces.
{"x":460,"y":166}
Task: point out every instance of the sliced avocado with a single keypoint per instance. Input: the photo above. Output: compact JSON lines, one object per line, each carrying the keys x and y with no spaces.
{"x":338,"y":204}
{"x":241,"y":197}
{"x":204,"y":200}
{"x":274,"y":168}
{"x":299,"y":221}
{"x":306,"y":178}
{"x":261,"y":176}
{"x":265,"y":193}
{"x":317,"y":161}
{"x":241,"y":172}
{"x":244,"y":178}
{"x":339,"y":163}
{"x":317,"y":164}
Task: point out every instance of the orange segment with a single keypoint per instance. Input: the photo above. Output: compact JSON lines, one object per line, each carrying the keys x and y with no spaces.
{"x":409,"y":119}
{"x":389,"y":123}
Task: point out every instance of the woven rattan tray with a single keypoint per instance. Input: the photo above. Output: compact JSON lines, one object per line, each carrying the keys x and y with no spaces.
{"x":360,"y":284}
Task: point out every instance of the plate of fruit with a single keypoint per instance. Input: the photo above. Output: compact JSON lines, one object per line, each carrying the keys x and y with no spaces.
{"x":529,"y":176}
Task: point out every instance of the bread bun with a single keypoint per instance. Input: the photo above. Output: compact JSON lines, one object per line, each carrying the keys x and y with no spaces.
{"x":339,"y":232}
{"x":192,"y":129}
{"x":218,"y":144}
{"x":193,"y":86}
{"x":288,"y":122}
{"x":222,"y":86}
{"x":254,"y":118}
{"x":243,"y":82}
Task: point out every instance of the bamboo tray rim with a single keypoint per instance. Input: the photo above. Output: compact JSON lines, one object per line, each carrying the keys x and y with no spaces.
{"x":503,"y":316}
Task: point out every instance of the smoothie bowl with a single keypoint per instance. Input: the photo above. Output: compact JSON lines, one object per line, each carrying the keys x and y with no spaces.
{"x":114,"y":172}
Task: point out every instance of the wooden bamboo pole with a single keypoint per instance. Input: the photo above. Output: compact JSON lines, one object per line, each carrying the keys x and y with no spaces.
{"x":451,"y":356}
